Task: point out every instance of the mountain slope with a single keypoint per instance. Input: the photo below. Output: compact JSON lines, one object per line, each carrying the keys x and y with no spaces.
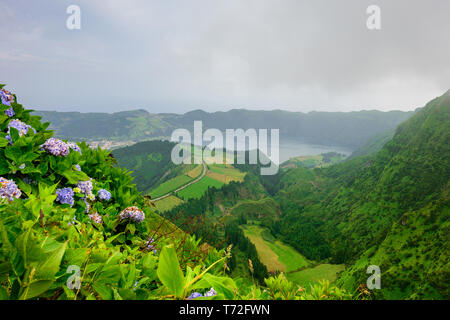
{"x":346,"y":129}
{"x":390,"y":209}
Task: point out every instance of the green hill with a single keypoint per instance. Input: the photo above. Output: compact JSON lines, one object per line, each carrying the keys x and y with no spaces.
{"x":346,"y":129}
{"x":73,"y":226}
{"x":390,"y":209}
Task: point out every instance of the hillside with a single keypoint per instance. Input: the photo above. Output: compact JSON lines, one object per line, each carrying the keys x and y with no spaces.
{"x":390,"y":209}
{"x":73,"y":226}
{"x":346,"y":129}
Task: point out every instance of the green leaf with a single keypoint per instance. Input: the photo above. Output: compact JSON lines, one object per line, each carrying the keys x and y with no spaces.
{"x":35,"y":289}
{"x":169,"y":271}
{"x":3,"y":294}
{"x":50,"y":267}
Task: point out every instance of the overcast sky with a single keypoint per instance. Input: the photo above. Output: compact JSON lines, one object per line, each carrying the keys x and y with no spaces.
{"x":180,"y":55}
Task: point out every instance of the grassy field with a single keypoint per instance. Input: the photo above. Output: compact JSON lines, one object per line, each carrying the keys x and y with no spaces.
{"x":196,"y":172}
{"x":217,"y":176}
{"x":199,"y":188}
{"x":276,"y":255}
{"x":320,"y":272}
{"x":170,"y":185}
{"x":167,"y":203}
{"x":225,"y":174}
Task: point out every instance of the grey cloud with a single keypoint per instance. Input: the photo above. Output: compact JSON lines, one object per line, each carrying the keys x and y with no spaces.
{"x":173,"y":56}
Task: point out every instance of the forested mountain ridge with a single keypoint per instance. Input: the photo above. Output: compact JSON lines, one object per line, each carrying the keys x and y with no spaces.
{"x":346,"y":129}
{"x":390,"y":209}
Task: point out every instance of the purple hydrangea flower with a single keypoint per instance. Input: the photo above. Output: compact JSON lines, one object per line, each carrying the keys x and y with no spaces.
{"x":77,"y":167}
{"x":56,"y":147}
{"x":194,"y":295}
{"x":85,"y":186}
{"x":22,"y":127}
{"x":10,"y":112}
{"x":149,"y":245}
{"x":104,"y":194}
{"x":9,"y":189}
{"x":96,"y":218}
{"x":133,"y":213}
{"x":74,"y":146}
{"x":211,"y":293}
{"x":65,"y":196}
{"x":6,"y":97}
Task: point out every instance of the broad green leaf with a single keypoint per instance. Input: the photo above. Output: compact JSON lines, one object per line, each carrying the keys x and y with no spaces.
{"x":50,"y":267}
{"x":169,"y":271}
{"x":35,"y":289}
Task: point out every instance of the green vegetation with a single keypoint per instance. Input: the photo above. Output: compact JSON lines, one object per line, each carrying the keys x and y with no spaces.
{"x":53,"y":248}
{"x":197,"y":189}
{"x":170,"y":185}
{"x":276,"y":255}
{"x":348,"y":129}
{"x":167,"y":203}
{"x":321,"y":272}
{"x":388,"y":209}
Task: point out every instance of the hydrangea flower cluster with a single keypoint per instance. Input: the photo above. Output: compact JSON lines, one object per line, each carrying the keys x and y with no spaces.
{"x":85,"y":186}
{"x":210,"y":293}
{"x":10,"y":112}
{"x":96,"y":218}
{"x":104,"y":195}
{"x":133,"y":213}
{"x":22,"y":127}
{"x":74,"y":146}
{"x":149,"y":245}
{"x":9,"y":189}
{"x":65,"y":196}
{"x":56,"y":147}
{"x":195,"y":295}
{"x":7,"y":97}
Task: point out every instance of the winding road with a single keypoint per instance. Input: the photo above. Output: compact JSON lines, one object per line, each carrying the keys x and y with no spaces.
{"x":205,"y":169}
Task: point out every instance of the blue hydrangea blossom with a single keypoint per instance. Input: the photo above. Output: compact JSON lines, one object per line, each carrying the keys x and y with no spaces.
{"x":132,"y":213}
{"x":74,"y":146}
{"x":22,"y":127}
{"x":96,"y":218}
{"x":65,"y":196}
{"x":10,"y":112}
{"x":56,"y":147}
{"x":9,"y":189}
{"x":104,"y":194}
{"x":6,"y":97}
